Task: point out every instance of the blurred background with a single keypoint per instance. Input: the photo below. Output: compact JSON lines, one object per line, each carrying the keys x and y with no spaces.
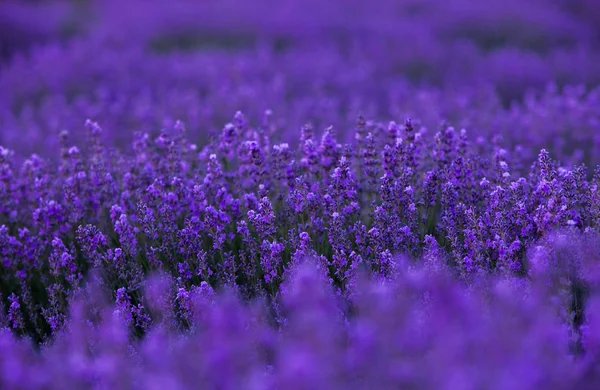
{"x":133,"y":64}
{"x":429,"y":31}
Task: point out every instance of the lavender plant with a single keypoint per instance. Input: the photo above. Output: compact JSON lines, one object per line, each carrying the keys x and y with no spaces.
{"x":223,"y":216}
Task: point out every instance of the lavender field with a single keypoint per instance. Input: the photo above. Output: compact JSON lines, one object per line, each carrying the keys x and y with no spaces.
{"x":300,"y":194}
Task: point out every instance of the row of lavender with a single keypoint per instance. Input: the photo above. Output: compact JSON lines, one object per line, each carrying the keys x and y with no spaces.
{"x":245,"y":211}
{"x":532,"y":25}
{"x":129,"y":70}
{"x":130,"y":89}
{"x":420,"y":330}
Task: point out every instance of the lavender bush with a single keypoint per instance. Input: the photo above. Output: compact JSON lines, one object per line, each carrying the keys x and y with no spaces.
{"x":401,"y":199}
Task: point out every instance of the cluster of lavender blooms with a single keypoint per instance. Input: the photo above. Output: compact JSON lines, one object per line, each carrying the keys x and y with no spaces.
{"x":317,"y":239}
{"x":408,"y":231}
{"x":420,"y":330}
